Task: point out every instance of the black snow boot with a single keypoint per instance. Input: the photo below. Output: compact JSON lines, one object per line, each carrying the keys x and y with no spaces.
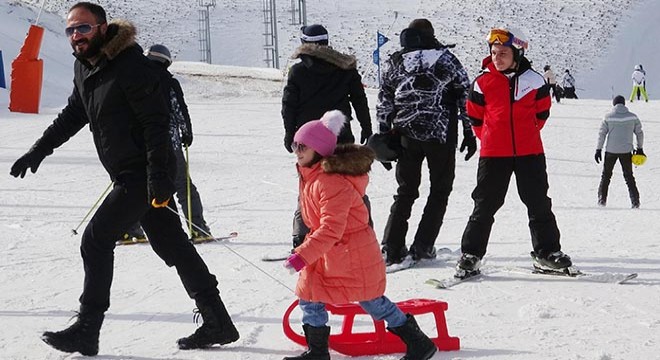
{"x":82,"y":336}
{"x":418,"y":345}
{"x":216,"y":329}
{"x":317,"y":342}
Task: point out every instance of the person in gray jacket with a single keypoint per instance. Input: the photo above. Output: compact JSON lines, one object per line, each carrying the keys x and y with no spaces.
{"x":618,"y":127}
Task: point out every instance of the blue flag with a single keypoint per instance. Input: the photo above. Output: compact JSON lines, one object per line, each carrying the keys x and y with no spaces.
{"x":382,"y":39}
{"x":2,"y":73}
{"x":376,"y":56}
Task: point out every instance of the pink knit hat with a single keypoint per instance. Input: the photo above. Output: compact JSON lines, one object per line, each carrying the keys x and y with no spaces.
{"x":321,"y":135}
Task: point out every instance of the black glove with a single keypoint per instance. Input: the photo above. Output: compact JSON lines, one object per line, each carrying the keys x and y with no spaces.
{"x":469,"y":142}
{"x":383,"y":127}
{"x":639,"y":151}
{"x":598,"y":156}
{"x":32,"y":159}
{"x":160,"y":188}
{"x":288,"y":141}
{"x":186,"y":139}
{"x":364,"y":136}
{"x":387,"y":165}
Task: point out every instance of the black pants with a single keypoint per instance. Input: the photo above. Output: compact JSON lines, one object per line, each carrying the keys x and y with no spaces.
{"x":441,"y":161}
{"x":555,"y":92}
{"x":626,"y":166}
{"x":181,"y":185}
{"x":125,"y":205}
{"x":493,"y":177}
{"x":569,"y":93}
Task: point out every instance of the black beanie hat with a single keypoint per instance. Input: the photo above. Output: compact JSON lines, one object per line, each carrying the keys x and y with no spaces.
{"x":619,"y":100}
{"x":315,"y":33}
{"x":423,"y":26}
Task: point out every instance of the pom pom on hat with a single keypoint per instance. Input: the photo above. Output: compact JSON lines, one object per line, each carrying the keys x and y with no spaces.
{"x":321,"y":135}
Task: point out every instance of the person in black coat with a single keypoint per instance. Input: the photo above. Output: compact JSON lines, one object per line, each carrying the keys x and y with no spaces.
{"x":117,"y":95}
{"x":323,"y":80}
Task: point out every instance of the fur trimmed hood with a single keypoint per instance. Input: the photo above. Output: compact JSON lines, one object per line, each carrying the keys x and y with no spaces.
{"x":119,"y":36}
{"x":349,"y":159}
{"x":326,"y":53}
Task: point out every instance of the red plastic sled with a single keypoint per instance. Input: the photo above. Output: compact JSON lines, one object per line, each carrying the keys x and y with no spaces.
{"x":380,"y":341}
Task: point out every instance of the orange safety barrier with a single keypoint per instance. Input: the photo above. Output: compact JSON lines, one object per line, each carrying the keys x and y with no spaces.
{"x":380,"y":341}
{"x":27,"y":74}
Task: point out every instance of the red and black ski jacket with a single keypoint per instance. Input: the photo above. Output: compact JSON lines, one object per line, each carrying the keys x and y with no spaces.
{"x":507,"y":114}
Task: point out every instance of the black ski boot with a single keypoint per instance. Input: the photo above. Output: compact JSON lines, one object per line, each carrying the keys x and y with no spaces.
{"x":418,"y":345}
{"x":317,"y":343}
{"x":82,"y":336}
{"x":556,"y":261}
{"x":216,"y":329}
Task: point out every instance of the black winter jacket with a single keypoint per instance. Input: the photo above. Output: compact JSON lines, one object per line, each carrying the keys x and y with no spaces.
{"x":323,"y":80}
{"x":120,"y":98}
{"x":180,"y":124}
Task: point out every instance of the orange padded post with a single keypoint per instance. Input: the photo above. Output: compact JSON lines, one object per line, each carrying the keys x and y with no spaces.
{"x":27,"y":74}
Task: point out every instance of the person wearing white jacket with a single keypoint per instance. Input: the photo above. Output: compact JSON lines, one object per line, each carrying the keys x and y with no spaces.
{"x":551,"y":80}
{"x":618,"y":127}
{"x":639,"y":84}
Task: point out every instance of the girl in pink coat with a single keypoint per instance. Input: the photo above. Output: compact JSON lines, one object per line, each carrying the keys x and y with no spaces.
{"x":340,"y":261}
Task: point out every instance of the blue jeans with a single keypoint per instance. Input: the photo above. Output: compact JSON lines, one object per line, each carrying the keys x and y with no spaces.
{"x":382,"y":308}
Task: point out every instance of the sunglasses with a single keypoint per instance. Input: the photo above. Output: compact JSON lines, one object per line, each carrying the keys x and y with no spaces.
{"x":298,"y":147}
{"x":82,"y":29}
{"x":503,"y":37}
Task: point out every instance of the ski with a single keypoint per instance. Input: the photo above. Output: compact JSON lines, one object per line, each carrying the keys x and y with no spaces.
{"x":132,"y":241}
{"x":407,"y":263}
{"x":573,"y":273}
{"x":275,"y":257}
{"x":231,"y":235}
{"x":453,"y":281}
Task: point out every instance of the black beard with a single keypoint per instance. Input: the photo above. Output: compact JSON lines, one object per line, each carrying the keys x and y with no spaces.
{"x":93,"y":47}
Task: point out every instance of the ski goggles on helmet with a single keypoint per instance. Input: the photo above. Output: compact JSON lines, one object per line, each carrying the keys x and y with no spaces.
{"x":506,"y":38}
{"x":82,"y":29}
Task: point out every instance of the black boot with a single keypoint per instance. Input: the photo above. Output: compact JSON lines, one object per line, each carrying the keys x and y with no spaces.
{"x":418,"y":345}
{"x":317,"y":342}
{"x":216,"y":329}
{"x":82,"y":336}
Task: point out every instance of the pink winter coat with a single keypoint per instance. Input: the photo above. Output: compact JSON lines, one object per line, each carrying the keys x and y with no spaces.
{"x":341,"y":252}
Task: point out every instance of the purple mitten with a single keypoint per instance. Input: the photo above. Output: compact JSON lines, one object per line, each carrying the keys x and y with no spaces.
{"x":294,"y":262}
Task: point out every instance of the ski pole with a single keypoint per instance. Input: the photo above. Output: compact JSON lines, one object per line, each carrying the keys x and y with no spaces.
{"x":235,"y":253}
{"x":188,"y":195}
{"x":75,"y":231}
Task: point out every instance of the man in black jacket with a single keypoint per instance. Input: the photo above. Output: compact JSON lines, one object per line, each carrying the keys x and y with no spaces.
{"x":117,"y":94}
{"x":323,"y":80}
{"x":422,"y":98}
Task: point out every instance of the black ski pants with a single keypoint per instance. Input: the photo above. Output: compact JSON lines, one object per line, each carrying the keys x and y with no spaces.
{"x":626,"y":166}
{"x":124,"y":206}
{"x":441,"y":162}
{"x":493,"y":177}
{"x":181,"y":186}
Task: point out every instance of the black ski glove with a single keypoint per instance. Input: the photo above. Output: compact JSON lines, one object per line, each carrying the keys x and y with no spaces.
{"x":639,"y":151}
{"x":31,"y":160}
{"x":160,"y":188}
{"x":288,"y":141}
{"x":598,"y":156}
{"x":364,"y":136}
{"x":187,"y":139}
{"x":469,"y":142}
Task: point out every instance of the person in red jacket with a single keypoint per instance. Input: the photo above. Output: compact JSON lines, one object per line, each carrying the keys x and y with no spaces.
{"x":508,"y":105}
{"x":339,"y":259}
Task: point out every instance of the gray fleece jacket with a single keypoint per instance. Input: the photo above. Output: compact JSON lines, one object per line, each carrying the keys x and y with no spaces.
{"x":618,"y":127}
